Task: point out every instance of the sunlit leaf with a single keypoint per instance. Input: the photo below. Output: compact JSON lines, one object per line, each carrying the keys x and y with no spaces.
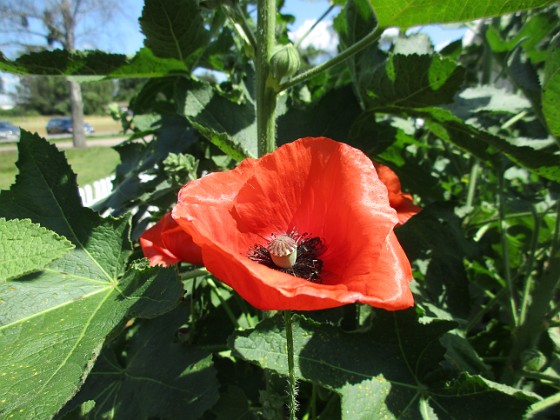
{"x":551,"y":88}
{"x":54,"y":322}
{"x":415,"y":80}
{"x":228,"y":125}
{"x":26,"y":247}
{"x":174,"y":29}
{"x":424,"y":12}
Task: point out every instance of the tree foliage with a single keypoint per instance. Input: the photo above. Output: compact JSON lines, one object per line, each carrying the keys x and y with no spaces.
{"x":49,"y":95}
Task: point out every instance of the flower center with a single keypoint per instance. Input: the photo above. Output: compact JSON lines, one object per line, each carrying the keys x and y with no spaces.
{"x":293,"y":254}
{"x":283,"y":251}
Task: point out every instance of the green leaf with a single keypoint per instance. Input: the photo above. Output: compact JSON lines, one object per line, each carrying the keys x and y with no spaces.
{"x":63,"y":62}
{"x":53,"y":323}
{"x":381,"y":373}
{"x":93,"y":65}
{"x":415,"y":81}
{"x":228,"y":125}
{"x":158,"y":377}
{"x":488,"y":99}
{"x":26,"y":247}
{"x":174,"y":29}
{"x":436,"y":234}
{"x":354,"y":22}
{"x":540,"y":156}
{"x":46,"y":192}
{"x":424,"y":12}
{"x":325,"y":118}
{"x":53,"y":326}
{"x":551,"y":88}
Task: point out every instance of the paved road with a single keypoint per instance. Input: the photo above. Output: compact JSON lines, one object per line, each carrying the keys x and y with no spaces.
{"x":107,"y":142}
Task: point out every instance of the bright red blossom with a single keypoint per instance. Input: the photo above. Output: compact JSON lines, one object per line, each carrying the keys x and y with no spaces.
{"x":313,"y":185}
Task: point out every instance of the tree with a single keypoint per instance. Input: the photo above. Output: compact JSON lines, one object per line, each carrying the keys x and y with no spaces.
{"x":29,"y":24}
{"x":49,"y":95}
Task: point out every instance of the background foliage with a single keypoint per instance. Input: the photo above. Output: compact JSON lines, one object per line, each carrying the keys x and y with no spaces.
{"x":88,"y":330}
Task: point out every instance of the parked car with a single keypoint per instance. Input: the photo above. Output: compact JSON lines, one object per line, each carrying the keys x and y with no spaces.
{"x":64,"y":125}
{"x":8,"y":131}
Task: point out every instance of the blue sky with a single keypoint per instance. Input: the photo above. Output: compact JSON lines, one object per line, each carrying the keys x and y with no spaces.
{"x":122,"y":34}
{"x":128,"y":39}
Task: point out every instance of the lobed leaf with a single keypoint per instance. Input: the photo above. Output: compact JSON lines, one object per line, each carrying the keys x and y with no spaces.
{"x":414,"y":80}
{"x":92,"y":65}
{"x":53,"y":323}
{"x":228,"y":125}
{"x":551,"y":88}
{"x":391,"y":371}
{"x":26,"y":247}
{"x":424,"y":12}
{"x":159,"y":377}
{"x":174,"y":29}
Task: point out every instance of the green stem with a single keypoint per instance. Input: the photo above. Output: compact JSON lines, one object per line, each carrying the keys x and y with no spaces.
{"x":528,"y":271}
{"x":505,"y":249}
{"x":291,"y":376}
{"x":266,"y":92}
{"x":199,"y":272}
{"x":472,"y":183}
{"x":363,"y":43}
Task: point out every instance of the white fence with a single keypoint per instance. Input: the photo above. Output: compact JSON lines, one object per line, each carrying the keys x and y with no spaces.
{"x":96,"y":191}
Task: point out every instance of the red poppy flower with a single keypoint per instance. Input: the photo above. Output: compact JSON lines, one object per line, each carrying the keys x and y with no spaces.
{"x":317,"y":197}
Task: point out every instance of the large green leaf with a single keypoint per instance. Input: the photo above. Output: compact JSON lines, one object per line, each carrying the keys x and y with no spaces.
{"x":53,"y":323}
{"x":229,"y":125}
{"x":391,"y":371}
{"x":424,"y":12}
{"x":324,"y":118}
{"x":93,"y":65}
{"x":26,"y":247}
{"x":551,"y":88}
{"x":415,"y":81}
{"x":157,"y":378}
{"x":174,"y":29}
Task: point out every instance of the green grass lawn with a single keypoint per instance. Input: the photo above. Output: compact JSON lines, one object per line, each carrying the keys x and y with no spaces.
{"x":90,"y":164}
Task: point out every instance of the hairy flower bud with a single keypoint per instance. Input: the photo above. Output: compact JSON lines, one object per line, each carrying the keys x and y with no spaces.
{"x":284,"y":61}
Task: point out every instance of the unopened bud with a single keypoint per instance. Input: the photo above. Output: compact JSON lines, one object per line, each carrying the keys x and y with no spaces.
{"x":284,"y":61}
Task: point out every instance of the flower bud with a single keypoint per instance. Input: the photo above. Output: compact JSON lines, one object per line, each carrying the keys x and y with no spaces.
{"x":284,"y":61}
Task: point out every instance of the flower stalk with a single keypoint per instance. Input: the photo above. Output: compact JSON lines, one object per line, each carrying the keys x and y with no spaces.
{"x":291,"y":375}
{"x":266,"y":92}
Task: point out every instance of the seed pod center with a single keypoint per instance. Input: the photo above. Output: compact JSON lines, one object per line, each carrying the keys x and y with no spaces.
{"x":283,"y":250}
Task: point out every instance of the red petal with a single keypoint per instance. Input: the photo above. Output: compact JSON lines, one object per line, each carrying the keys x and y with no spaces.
{"x":314,"y":185}
{"x":166,"y":244}
{"x":401,"y":202}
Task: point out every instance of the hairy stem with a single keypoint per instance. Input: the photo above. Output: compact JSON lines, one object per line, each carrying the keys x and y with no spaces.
{"x":505,"y":249}
{"x":291,"y":376}
{"x":266,"y":93}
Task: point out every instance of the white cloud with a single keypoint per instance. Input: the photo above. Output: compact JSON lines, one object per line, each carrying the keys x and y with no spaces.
{"x":322,"y":37}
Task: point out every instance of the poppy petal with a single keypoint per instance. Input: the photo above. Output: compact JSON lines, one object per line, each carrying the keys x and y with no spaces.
{"x":401,"y":202}
{"x":166,"y":244}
